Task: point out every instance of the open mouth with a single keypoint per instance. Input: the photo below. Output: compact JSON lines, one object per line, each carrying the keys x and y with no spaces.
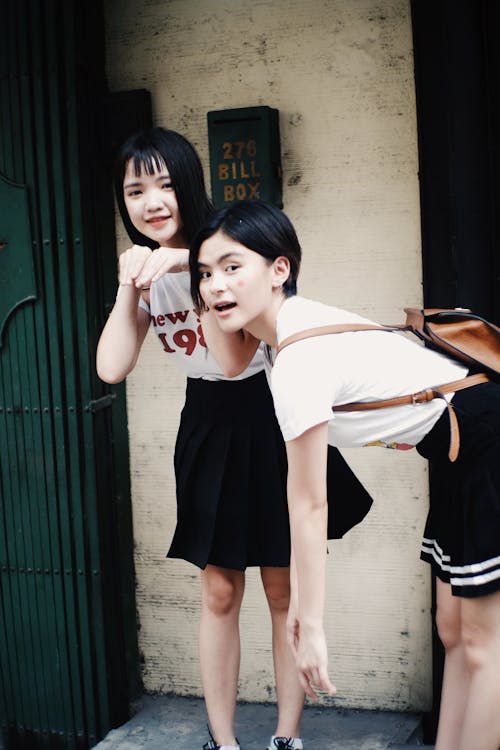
{"x":223,"y":306}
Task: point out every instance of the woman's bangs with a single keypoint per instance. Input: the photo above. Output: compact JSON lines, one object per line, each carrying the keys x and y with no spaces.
{"x":148,"y":161}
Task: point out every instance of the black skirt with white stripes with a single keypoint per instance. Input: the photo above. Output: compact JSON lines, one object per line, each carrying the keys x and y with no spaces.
{"x":462,"y":533}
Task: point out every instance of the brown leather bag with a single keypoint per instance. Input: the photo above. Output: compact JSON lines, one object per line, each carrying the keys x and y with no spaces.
{"x":459,"y":333}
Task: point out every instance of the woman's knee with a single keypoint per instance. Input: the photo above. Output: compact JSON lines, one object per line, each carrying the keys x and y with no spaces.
{"x":448,"y":616}
{"x":481,"y":632}
{"x":222,"y":590}
{"x":476,"y":646}
{"x":449,"y":627}
{"x":276,"y":583}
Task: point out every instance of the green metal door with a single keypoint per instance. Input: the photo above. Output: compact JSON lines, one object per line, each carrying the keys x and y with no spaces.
{"x":67,"y":614}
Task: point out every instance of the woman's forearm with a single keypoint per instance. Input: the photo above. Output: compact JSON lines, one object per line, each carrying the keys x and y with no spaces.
{"x":122,"y":337}
{"x":308,"y":527}
{"x":233,"y":351}
{"x":307,"y":503}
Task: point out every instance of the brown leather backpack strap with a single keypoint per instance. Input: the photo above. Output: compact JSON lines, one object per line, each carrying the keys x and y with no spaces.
{"x":421,"y":397}
{"x":335,"y":328}
{"x":414,"y":323}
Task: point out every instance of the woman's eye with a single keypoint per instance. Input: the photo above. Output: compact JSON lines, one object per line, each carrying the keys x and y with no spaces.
{"x":133,"y":193}
{"x":204,"y":274}
{"x":167,"y":186}
{"x":232,"y":267}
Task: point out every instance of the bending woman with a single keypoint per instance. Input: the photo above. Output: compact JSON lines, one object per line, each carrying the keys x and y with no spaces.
{"x":244,"y":266}
{"x":230,"y":460}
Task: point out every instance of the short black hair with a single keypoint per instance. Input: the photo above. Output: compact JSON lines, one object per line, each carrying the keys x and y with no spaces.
{"x":152,"y":149}
{"x":257,"y":225}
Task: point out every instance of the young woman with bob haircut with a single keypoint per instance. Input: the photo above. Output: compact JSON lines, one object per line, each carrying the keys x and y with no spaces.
{"x":244,"y":264}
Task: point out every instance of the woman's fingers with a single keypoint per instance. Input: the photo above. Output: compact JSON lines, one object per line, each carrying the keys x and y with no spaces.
{"x":324,"y":684}
{"x":313,"y":684}
{"x":161,"y":261}
{"x":312,"y":662}
{"x":306,"y":686}
{"x":140,"y":266}
{"x":131,"y":262}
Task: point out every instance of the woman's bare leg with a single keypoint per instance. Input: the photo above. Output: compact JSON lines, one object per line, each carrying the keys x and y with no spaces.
{"x":455,"y":688}
{"x":221,"y":595}
{"x":481,"y":637}
{"x":469,"y":628}
{"x":276,"y":582}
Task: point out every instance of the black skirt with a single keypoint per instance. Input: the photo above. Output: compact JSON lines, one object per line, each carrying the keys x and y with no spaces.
{"x":462,"y":532}
{"x":230,"y":467}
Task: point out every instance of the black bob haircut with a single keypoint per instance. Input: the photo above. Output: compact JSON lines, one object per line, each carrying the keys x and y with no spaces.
{"x":258,"y":226}
{"x":154,"y":149}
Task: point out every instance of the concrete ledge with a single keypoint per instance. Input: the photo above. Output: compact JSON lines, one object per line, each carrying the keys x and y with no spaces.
{"x":179,"y":723}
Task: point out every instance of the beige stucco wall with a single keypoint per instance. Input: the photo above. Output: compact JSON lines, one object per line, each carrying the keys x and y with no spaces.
{"x":341,"y":74}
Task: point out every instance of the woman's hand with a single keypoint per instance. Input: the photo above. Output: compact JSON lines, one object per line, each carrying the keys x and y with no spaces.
{"x":311,"y":658}
{"x":308,"y":645}
{"x":139,"y":266}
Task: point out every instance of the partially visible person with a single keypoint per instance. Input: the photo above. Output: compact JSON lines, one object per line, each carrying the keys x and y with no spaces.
{"x":230,"y":461}
{"x":244,"y":265}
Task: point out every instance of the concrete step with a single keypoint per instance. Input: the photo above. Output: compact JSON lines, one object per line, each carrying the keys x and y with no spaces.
{"x":170,"y":722}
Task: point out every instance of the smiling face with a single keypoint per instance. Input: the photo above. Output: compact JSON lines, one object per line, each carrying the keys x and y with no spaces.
{"x":241,"y":287}
{"x":152,"y":205}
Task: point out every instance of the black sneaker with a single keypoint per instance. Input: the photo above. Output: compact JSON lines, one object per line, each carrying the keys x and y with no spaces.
{"x":212,"y":745}
{"x":285,"y":743}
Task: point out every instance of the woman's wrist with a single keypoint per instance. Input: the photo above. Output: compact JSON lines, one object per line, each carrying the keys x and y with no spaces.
{"x":311,"y":624}
{"x":127,"y":285}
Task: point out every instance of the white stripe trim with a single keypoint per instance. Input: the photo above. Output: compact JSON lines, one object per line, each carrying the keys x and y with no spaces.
{"x":493,"y":575}
{"x":431,"y":547}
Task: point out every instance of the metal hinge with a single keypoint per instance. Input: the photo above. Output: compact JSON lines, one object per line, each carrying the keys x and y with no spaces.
{"x":100,"y":403}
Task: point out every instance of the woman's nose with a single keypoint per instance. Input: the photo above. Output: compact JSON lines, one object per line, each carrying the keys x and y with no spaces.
{"x":154,"y":199}
{"x":218,"y":282}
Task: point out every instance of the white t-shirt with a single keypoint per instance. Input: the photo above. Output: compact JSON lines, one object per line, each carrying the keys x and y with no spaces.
{"x":178,"y":328}
{"x":311,"y":375}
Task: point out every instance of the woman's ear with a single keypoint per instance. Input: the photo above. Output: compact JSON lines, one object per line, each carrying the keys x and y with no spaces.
{"x":281,"y":271}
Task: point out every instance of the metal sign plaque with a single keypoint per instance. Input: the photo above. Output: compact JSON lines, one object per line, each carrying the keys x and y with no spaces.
{"x":245,"y":159}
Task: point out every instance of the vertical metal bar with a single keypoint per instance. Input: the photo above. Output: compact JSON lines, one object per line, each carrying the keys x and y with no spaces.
{"x":7,"y":625}
{"x":8,"y":592}
{"x":20,"y":659}
{"x":97,"y":699}
{"x":34,"y":452}
{"x":8,"y":48}
{"x":72,"y":531}
{"x":29,"y":404}
{"x":60,"y":707}
{"x":16,"y":542}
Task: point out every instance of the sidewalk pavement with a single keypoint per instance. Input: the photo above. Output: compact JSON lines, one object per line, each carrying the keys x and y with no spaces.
{"x":170,"y":722}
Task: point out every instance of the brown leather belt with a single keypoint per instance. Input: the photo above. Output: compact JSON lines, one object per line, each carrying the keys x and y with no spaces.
{"x":422,"y":397}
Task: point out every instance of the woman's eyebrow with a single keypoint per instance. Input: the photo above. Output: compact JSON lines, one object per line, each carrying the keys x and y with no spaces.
{"x":138,"y":181}
{"x":221,"y":259}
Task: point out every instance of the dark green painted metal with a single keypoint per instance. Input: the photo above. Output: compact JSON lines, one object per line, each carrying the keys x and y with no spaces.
{"x":68,"y":644}
{"x":60,"y":702}
{"x":245,"y":158}
{"x":17,"y":273}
